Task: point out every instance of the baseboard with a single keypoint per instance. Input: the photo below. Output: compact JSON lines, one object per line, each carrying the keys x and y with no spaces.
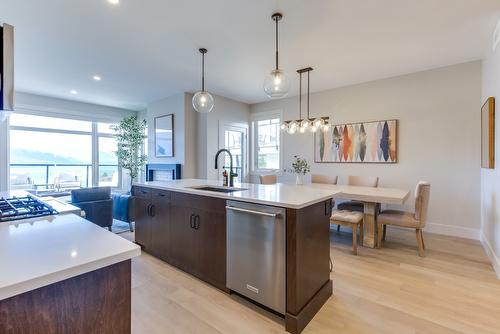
{"x":452,"y":230}
{"x":495,"y":261}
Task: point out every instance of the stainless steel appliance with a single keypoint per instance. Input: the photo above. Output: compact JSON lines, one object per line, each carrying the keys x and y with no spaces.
{"x":23,"y":207}
{"x":256,"y":253}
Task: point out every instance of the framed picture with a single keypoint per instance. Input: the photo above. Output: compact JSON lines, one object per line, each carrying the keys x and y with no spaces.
{"x":488,"y":134}
{"x":164,"y":136}
{"x":366,"y":142}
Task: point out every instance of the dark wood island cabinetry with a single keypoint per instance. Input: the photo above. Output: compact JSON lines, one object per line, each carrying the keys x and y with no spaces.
{"x":189,"y":232}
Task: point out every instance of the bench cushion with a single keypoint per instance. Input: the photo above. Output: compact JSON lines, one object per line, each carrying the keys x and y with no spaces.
{"x":347,"y":216}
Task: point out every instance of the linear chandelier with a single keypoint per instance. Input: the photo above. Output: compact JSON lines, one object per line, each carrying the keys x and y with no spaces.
{"x":302,"y":125}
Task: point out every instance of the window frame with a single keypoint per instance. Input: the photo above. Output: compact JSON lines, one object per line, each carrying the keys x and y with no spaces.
{"x":94,"y":134}
{"x":254,"y":118}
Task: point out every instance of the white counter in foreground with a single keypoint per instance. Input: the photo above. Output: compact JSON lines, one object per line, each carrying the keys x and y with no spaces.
{"x":38,"y":252}
{"x":280,"y":194}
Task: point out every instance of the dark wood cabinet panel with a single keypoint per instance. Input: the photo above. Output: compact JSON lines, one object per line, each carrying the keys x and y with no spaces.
{"x":95,"y":302}
{"x":160,"y":224}
{"x":142,"y":221}
{"x":308,"y":283}
{"x":210,"y":238}
{"x":182,"y":240}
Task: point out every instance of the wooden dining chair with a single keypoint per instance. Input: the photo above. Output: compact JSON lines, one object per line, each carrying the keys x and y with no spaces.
{"x":324,"y":179}
{"x":268,"y":179}
{"x":415,"y":220}
{"x":352,"y":219}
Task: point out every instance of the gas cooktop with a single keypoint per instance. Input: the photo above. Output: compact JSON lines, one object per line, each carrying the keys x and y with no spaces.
{"x":23,"y":207}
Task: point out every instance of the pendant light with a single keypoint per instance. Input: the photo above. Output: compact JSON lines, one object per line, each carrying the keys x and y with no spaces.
{"x":277,"y":84}
{"x":302,"y":125}
{"x":203,"y":102}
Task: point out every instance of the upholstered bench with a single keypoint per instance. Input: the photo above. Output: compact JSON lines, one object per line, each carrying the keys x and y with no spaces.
{"x":352,"y":219}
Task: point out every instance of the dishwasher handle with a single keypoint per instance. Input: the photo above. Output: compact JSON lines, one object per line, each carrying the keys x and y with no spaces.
{"x":260,"y":213}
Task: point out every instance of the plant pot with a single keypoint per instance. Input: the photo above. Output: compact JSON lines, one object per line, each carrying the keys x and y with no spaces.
{"x":299,"y":179}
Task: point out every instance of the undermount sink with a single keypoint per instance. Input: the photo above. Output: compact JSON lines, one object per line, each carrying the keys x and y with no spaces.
{"x":218,"y":189}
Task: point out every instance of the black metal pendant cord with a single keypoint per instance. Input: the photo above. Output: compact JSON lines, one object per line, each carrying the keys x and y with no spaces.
{"x":203,"y":51}
{"x":276,"y":17}
{"x":300,"y":96}
{"x":308,"y":117}
{"x":277,"y":38}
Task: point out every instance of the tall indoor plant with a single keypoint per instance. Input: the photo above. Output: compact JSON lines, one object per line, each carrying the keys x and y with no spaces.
{"x":130,"y":134}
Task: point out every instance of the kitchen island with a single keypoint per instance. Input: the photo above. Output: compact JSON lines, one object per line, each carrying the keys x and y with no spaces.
{"x":185,"y":223}
{"x":64,"y":274}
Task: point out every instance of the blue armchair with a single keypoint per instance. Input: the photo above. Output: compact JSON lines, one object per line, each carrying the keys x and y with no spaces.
{"x":97,"y":204}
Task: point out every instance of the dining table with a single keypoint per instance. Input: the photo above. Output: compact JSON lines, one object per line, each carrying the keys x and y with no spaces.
{"x":370,"y":197}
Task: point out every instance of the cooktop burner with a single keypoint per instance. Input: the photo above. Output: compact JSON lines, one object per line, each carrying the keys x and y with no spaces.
{"x":23,"y":207}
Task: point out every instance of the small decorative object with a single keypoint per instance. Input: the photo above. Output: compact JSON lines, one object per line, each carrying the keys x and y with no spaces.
{"x":130,"y":135}
{"x":488,"y":134}
{"x":368,"y":142}
{"x":164,"y":136}
{"x":307,"y":124}
{"x":203,"y":102}
{"x":276,"y":84}
{"x":300,"y":167}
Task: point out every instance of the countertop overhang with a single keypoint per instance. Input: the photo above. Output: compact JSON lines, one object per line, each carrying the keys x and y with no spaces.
{"x":41,"y":251}
{"x":280,"y":194}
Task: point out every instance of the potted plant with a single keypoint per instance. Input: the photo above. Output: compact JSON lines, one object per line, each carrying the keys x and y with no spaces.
{"x":300,"y":167}
{"x":130,"y":135}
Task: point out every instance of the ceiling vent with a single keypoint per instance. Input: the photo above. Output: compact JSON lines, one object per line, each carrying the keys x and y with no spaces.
{"x":496,"y":36}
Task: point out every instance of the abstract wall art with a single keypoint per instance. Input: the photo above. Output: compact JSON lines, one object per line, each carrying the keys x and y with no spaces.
{"x":367,"y":142}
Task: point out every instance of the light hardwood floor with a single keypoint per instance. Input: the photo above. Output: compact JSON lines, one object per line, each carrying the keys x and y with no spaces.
{"x":389,"y":290}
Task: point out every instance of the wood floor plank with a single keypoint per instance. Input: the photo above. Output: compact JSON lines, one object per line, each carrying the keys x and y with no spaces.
{"x":453,"y":290}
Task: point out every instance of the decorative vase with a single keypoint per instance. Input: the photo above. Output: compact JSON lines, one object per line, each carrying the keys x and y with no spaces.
{"x":299,"y":179}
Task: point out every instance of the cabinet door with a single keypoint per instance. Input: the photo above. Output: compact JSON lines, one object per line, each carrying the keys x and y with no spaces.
{"x":182,"y":238}
{"x":160,"y":224}
{"x":210,"y":247}
{"x":142,"y":222}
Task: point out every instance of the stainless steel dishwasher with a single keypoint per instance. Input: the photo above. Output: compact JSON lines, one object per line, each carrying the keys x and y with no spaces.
{"x":256,"y":253}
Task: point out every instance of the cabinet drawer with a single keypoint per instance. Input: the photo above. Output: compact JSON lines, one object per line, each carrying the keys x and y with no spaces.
{"x":142,"y":192}
{"x":199,"y":202}
{"x":160,"y":195}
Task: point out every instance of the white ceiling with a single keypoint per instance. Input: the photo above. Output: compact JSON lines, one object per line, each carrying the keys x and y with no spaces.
{"x":147,"y":49}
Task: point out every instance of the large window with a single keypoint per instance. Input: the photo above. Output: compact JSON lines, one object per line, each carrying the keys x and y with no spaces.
{"x":266,"y":142}
{"x":56,"y":154}
{"x":109,"y":173}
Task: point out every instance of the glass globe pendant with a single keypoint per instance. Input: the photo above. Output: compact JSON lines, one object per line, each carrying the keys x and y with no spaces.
{"x":292,"y":127}
{"x":305,"y":124}
{"x":203,"y":102}
{"x":318,"y":122}
{"x":277,"y":84}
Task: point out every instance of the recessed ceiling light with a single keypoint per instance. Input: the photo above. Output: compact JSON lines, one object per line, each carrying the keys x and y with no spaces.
{"x":74,"y":92}
{"x":96,"y":78}
{"x":114,"y":2}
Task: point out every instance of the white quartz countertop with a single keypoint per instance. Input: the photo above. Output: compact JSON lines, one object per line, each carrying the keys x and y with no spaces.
{"x":41,"y":251}
{"x":281,"y":194}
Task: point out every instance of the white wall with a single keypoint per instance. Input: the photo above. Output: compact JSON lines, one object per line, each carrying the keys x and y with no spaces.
{"x":439,"y":137}
{"x":184,"y":132}
{"x":225,"y":110}
{"x":490,"y":178}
